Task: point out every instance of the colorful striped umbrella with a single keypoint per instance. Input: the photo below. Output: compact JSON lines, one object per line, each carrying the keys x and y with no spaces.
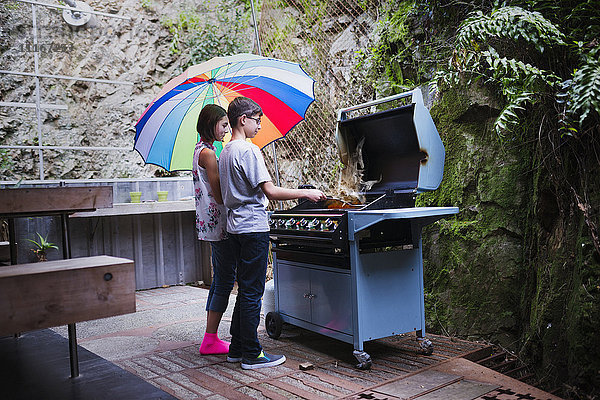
{"x":166,"y":132}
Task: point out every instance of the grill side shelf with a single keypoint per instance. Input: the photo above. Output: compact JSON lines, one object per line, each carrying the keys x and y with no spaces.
{"x":419,"y":216}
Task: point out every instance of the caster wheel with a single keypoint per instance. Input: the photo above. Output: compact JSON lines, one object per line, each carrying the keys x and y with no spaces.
{"x":426,"y":347}
{"x":273,"y":324}
{"x":364,"y":360}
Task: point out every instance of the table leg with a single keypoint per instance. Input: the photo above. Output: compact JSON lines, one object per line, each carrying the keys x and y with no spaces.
{"x":73,"y":357}
{"x":206,"y":262}
{"x":12,"y":240}
{"x":64,"y":219}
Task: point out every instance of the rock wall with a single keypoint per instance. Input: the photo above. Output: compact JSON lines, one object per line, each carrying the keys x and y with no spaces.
{"x":136,"y":51}
{"x":518,"y":266}
{"x":474,"y":264}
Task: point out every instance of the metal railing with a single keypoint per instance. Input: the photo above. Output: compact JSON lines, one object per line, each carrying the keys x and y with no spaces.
{"x":40,"y":147}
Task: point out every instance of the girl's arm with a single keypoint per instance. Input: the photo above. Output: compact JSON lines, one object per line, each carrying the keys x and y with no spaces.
{"x":208,"y":161}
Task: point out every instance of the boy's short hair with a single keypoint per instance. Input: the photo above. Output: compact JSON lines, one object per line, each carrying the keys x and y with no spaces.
{"x":207,"y":120}
{"x":242,"y":106}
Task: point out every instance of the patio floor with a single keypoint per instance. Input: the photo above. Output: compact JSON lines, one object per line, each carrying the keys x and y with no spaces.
{"x":159,"y":344}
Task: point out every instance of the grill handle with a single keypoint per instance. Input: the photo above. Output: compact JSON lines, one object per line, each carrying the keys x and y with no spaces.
{"x":417,"y":97}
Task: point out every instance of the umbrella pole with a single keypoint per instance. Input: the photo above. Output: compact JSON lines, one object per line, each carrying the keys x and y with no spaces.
{"x":275,"y":163}
{"x":255,"y":28}
{"x":260,"y":54}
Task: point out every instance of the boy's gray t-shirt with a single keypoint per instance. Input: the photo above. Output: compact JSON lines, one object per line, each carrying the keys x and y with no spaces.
{"x":241,"y":170}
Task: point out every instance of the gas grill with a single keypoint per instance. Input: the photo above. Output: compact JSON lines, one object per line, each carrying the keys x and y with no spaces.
{"x":354,"y":272}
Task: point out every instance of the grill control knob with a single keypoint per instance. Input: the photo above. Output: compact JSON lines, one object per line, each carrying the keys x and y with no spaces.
{"x":303,"y":224}
{"x":290,"y":224}
{"x":329,"y":225}
{"x":314,"y":224}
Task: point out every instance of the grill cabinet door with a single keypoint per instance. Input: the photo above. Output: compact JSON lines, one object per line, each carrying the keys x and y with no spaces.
{"x":332,"y":301}
{"x":321,"y":298}
{"x":293,"y":290}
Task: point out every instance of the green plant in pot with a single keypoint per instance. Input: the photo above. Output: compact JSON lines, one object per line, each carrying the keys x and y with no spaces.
{"x":42,"y":245}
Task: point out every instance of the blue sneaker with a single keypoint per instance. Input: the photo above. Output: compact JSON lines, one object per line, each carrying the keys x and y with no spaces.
{"x":262,"y":361}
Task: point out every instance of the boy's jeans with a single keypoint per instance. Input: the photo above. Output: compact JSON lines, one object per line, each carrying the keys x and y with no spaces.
{"x":251,"y":251}
{"x":223,"y":261}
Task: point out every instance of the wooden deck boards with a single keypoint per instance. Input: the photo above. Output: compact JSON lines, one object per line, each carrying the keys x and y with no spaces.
{"x":36,"y":366}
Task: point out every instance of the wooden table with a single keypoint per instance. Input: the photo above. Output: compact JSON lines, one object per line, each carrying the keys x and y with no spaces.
{"x":61,"y":201}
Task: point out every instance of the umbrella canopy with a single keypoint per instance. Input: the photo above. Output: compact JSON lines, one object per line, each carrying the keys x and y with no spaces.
{"x":166,"y":132}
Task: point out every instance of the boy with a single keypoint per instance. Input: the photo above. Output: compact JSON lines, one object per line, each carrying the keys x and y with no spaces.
{"x":246,"y":188}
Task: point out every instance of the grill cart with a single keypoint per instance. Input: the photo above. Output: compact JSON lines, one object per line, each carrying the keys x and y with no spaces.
{"x":355,"y":272}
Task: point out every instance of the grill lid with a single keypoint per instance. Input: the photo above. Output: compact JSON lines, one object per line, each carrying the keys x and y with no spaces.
{"x":399,"y":148}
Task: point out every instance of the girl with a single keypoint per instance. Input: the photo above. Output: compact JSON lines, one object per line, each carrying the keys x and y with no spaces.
{"x":211,"y":222}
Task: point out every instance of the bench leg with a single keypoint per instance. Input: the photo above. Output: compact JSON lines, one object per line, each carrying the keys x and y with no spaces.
{"x":73,"y":351}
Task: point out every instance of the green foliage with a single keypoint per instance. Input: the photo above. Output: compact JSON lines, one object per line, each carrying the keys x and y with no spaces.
{"x":12,"y":5}
{"x":508,"y":118}
{"x":521,"y":83}
{"x":576,"y":17}
{"x":584,"y":93}
{"x":42,"y":245}
{"x":6,"y":161}
{"x":216,"y":32}
{"x":280,"y":32}
{"x":477,"y":56}
{"x":403,"y":53}
{"x":512,"y":23}
{"x":466,"y":230}
{"x":147,"y":4}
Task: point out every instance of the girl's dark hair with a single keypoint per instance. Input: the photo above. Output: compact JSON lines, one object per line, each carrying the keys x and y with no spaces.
{"x":242,"y":106}
{"x":207,"y":120}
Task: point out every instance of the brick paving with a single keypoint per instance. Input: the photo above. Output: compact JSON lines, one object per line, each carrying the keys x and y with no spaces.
{"x":160,"y":342}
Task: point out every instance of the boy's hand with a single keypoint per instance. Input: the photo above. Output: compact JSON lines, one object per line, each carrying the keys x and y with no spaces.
{"x":314,"y":195}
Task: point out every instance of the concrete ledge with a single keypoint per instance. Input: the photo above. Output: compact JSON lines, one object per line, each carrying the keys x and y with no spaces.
{"x":152,"y":207}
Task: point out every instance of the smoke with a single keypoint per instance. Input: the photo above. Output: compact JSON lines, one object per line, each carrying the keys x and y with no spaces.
{"x":351,"y":186}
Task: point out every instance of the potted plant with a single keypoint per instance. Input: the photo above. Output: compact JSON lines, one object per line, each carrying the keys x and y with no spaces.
{"x":41,"y":247}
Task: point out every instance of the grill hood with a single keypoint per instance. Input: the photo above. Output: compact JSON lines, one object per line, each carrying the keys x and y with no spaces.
{"x":399,"y":148}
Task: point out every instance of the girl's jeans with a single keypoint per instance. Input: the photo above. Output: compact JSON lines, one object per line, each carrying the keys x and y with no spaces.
{"x":223,"y":262}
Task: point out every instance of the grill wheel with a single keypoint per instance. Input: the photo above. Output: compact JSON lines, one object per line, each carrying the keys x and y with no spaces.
{"x":273,"y":324}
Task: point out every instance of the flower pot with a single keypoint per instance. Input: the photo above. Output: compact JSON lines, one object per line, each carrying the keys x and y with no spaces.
{"x":162,"y":195}
{"x":136,"y":197}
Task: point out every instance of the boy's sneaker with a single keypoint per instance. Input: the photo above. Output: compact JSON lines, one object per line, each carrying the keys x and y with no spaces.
{"x":233,"y":358}
{"x":262,"y":361}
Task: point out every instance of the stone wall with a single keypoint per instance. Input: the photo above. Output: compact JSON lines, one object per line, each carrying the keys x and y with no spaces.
{"x":136,"y":51}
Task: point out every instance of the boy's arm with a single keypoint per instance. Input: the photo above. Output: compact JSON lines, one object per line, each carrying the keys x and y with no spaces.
{"x":278,"y":193}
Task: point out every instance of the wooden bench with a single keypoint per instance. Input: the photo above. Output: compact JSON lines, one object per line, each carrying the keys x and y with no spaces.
{"x":53,"y":293}
{"x":63,"y":292}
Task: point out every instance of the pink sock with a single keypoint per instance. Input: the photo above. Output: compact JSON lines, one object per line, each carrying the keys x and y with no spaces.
{"x":211,"y":344}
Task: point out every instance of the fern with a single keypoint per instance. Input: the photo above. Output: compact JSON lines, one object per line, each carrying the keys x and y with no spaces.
{"x":508,"y":118}
{"x":512,"y":23}
{"x":585,"y":89}
{"x":521,"y":83}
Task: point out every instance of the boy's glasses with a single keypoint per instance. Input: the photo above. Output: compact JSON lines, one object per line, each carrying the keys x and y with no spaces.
{"x":257,"y":120}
